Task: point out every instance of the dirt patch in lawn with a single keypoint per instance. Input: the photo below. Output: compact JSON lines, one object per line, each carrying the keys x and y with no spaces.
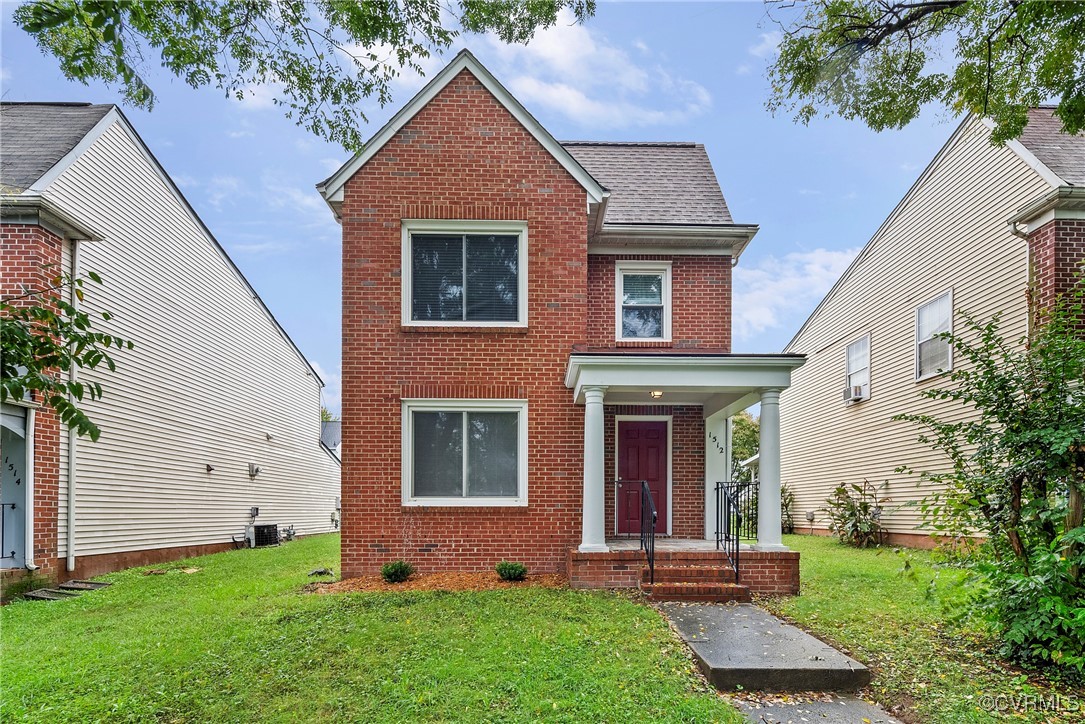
{"x":447,"y":581}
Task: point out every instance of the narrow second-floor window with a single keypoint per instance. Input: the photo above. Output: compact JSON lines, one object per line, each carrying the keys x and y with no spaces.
{"x":643,"y":301}
{"x":933,"y":354}
{"x":857,"y":369}
{"x":467,"y":275}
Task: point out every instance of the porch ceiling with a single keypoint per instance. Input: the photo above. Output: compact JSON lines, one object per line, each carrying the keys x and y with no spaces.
{"x":719,"y":382}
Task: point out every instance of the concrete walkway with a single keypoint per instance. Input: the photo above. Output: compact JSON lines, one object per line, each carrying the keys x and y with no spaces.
{"x":834,"y":710}
{"x":741,"y":647}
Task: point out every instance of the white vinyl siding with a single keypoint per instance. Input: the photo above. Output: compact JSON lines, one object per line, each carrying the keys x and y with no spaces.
{"x":857,"y":366}
{"x":933,"y":354}
{"x":464,"y":452}
{"x":211,"y":381}
{"x":949,"y":232}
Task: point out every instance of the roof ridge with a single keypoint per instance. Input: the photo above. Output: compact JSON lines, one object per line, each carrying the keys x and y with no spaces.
{"x":678,"y":144}
{"x":64,"y":104}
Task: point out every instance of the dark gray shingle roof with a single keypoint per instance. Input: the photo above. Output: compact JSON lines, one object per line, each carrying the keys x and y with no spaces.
{"x":331,"y":433}
{"x":34,"y":136}
{"x":1063,"y":154}
{"x":654,"y":183}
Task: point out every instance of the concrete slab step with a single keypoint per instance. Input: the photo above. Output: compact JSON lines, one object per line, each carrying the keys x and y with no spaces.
{"x":743,"y":646}
{"x":49,"y":594}
{"x":697,"y":592}
{"x":690,"y":574}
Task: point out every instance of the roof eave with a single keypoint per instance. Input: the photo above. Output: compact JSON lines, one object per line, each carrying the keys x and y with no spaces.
{"x":34,"y":208}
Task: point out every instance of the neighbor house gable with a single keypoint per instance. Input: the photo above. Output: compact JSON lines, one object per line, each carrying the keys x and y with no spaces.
{"x":333,"y":187}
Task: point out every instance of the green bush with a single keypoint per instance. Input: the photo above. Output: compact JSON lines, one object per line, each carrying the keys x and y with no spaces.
{"x":509,"y":571}
{"x":396,"y":571}
{"x":855,"y":515}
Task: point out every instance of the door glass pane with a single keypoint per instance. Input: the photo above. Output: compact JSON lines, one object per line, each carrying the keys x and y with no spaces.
{"x":493,"y":278}
{"x":642,"y":289}
{"x":642,"y":322}
{"x":436,"y":277}
{"x":438,"y":454}
{"x":491,"y":459}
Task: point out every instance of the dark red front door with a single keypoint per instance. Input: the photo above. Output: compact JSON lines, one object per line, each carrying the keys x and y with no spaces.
{"x":642,"y":455}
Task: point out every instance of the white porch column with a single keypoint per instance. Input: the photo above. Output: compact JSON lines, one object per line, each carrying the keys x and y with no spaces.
{"x":768,"y":490}
{"x":594,"y":534}
{"x":717,"y":466}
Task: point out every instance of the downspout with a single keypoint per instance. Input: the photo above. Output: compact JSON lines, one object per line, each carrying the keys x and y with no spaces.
{"x":28,"y":506}
{"x":73,"y":436}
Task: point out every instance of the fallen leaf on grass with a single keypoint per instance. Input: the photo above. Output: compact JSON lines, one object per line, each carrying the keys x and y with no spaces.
{"x":190,"y":570}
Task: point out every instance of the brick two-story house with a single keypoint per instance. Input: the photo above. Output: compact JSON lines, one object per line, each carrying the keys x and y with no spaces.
{"x":530,"y":330}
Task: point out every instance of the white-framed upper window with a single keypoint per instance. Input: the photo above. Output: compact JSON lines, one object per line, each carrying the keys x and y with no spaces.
{"x":643,"y":300}
{"x":933,"y":355}
{"x":464,"y":452}
{"x":857,"y":368}
{"x":467,"y":273}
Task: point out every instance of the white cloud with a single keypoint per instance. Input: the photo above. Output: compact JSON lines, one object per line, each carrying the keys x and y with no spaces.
{"x":909,"y":166}
{"x":281,"y":194}
{"x":767,"y":45}
{"x":572,"y":70}
{"x":773,"y":292}
{"x":224,"y":188}
{"x":185,"y":181}
{"x":258,"y":97}
{"x":240,"y":134}
{"x":809,"y":192}
{"x":331,"y":165}
{"x":261,"y":248}
{"x":5,"y":74}
{"x":332,"y":394}
{"x":743,"y":69}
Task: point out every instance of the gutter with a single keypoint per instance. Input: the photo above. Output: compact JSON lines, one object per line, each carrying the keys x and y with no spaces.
{"x":28,"y":541}
{"x":1064,"y":197}
{"x":73,"y":436}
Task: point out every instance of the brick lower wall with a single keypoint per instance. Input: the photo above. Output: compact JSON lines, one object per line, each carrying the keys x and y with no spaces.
{"x":1056,"y":254}
{"x":769,"y":573}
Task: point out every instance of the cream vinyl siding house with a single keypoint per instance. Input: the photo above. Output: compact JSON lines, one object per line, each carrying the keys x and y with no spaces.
{"x":948,"y":236}
{"x":212,"y":385}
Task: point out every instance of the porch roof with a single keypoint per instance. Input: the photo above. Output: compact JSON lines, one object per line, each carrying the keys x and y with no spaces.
{"x":718,"y":381}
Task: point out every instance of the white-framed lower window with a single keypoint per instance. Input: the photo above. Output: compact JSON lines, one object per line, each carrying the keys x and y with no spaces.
{"x":857,"y":369}
{"x":464,"y":273}
{"x":642,"y":300}
{"x":464,"y":452}
{"x":933,"y":355}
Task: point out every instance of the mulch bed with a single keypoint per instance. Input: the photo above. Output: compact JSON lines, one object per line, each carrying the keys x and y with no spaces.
{"x":448,"y":581}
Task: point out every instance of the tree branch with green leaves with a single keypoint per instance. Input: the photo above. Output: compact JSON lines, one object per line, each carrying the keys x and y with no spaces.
{"x":44,"y":336}
{"x":321,"y":58}
{"x":882,"y":61}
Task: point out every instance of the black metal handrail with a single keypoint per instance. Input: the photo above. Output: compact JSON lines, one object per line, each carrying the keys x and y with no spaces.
{"x":736,"y":518}
{"x":648,"y":517}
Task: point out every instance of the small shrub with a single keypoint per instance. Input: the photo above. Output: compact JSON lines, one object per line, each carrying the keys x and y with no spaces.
{"x":787,"y":502}
{"x":396,"y":571}
{"x":509,"y":571}
{"x":855,"y":515}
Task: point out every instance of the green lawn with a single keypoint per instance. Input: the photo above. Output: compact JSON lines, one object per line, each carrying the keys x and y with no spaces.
{"x":238,"y":641}
{"x":943,"y":672}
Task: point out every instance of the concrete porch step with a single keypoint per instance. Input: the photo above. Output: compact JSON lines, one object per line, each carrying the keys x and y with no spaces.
{"x":696,"y":592}
{"x":690,"y":574}
{"x":49,"y":594}
{"x":76,"y":585}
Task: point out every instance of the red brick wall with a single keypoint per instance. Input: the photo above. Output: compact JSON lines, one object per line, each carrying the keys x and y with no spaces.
{"x":25,"y":251}
{"x":1056,"y":252}
{"x":700,"y":298}
{"x":461,"y":157}
{"x":687,"y":464}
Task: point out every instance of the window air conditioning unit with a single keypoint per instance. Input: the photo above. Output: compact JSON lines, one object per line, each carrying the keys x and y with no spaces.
{"x":853,"y":394}
{"x":259,"y":536}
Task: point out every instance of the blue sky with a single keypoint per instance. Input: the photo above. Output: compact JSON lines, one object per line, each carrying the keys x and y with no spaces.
{"x":637,"y":71}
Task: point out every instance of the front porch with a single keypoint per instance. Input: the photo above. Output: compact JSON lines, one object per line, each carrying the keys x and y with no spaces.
{"x":661,"y":421}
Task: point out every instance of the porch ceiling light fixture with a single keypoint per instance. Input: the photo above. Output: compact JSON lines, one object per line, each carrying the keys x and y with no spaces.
{"x":656,"y":394}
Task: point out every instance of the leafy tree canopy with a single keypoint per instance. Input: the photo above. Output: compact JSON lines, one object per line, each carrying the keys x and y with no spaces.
{"x":881,"y":61}
{"x":745,"y":442}
{"x":322,"y":57}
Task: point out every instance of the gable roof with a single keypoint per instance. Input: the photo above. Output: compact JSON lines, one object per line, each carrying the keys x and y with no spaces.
{"x":1062,"y":153}
{"x":35,"y":136}
{"x":332,"y":187}
{"x":331,"y":433}
{"x":655,"y":183}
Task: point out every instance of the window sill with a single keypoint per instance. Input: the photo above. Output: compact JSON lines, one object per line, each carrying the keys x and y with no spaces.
{"x":465,"y":503}
{"x":643,"y":343}
{"x":460,"y":329}
{"x":932,"y":375}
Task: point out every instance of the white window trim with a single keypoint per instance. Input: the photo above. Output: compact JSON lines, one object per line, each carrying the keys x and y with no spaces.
{"x":454,"y":226}
{"x":643,"y":267}
{"x":456,"y":405}
{"x":669,"y":419}
{"x":847,"y":367}
{"x":915,"y":346}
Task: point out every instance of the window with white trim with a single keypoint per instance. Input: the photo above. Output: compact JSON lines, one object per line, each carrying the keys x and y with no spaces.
{"x":857,"y":368}
{"x":470,"y":273}
{"x":643,"y":300}
{"x":933,"y":355}
{"x":464,"y":452}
